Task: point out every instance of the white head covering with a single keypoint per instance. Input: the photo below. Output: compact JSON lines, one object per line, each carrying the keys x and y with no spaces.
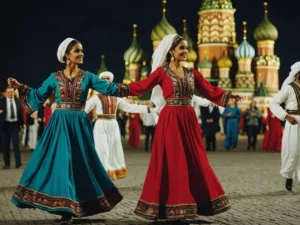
{"x":295,"y":68}
{"x":158,"y":59}
{"x":107,"y":74}
{"x":61,"y":51}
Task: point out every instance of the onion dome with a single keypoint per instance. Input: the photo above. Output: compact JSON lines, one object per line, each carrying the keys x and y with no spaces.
{"x":135,"y":53}
{"x":216,"y":4}
{"x":192,"y":55}
{"x":163,"y":28}
{"x":205,"y":64}
{"x":265,"y":29}
{"x":102,"y":67}
{"x":225,"y":61}
{"x":245,"y":50}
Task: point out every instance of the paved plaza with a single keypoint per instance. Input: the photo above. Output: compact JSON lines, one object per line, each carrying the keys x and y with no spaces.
{"x":250,"y":178}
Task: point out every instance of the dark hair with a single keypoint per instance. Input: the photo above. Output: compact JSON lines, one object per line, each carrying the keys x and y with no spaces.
{"x":177,"y":40}
{"x":69,"y":48}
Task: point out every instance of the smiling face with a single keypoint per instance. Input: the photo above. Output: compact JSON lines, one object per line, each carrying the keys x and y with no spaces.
{"x":75,"y":55}
{"x":180,"y":52}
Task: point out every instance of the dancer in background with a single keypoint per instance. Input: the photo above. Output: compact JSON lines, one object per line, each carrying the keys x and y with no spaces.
{"x":106,"y":130}
{"x":290,"y":95}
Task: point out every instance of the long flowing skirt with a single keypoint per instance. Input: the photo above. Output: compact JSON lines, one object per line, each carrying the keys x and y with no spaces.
{"x":180,"y":182}
{"x":64,"y":174}
{"x":109,"y":148}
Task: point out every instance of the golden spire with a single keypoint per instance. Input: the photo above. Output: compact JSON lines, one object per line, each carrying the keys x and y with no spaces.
{"x":144,"y":62}
{"x":102,"y":57}
{"x":184,"y":25}
{"x":164,"y":6}
{"x":134,"y":30}
{"x":245,"y":30}
{"x":266,"y":7}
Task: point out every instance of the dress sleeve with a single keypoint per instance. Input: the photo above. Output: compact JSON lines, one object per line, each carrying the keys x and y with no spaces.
{"x":275,"y":102}
{"x":104,"y":87}
{"x":131,"y":108}
{"x":90,"y":104}
{"x":32,"y":99}
{"x":143,"y":86}
{"x":214,"y":94}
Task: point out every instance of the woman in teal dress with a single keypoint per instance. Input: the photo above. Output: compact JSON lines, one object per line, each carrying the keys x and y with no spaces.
{"x":64,"y":175}
{"x":232,"y":117}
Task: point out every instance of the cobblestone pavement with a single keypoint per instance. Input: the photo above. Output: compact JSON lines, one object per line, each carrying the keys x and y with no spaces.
{"x":250,"y":178}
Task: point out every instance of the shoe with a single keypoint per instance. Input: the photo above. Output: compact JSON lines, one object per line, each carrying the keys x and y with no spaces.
{"x":5,"y":167}
{"x":207,"y":149}
{"x":66,"y":220}
{"x":214,"y":149}
{"x":289,"y":184}
{"x":248,"y":148}
{"x":18,"y":166}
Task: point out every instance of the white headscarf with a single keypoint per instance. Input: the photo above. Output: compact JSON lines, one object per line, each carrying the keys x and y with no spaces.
{"x":107,"y":74}
{"x":158,"y":59}
{"x":295,"y":68}
{"x":61,"y":51}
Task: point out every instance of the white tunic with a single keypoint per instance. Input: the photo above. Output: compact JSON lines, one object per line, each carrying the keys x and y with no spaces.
{"x":290,"y":154}
{"x":107,"y":133}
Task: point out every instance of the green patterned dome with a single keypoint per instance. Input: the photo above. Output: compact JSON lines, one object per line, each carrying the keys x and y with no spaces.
{"x":102,"y":67}
{"x":192,"y":55}
{"x":205,"y":64}
{"x":225,"y":61}
{"x":162,"y":29}
{"x":265,"y":29}
{"x":216,"y":4}
{"x":135,"y":53}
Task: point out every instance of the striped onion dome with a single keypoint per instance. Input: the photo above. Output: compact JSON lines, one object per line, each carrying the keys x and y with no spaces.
{"x":224,"y":61}
{"x":216,"y":4}
{"x":134,"y":53}
{"x":192,"y":55}
{"x":102,"y":67}
{"x":245,"y":50}
{"x":205,"y":63}
{"x":163,"y":28}
{"x":265,"y":29}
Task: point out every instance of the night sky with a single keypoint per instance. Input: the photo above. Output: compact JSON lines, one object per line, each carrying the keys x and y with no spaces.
{"x":32,"y":30}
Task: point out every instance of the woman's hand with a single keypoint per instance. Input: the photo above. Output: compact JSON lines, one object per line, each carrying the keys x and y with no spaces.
{"x":237,"y":98}
{"x":12,"y":82}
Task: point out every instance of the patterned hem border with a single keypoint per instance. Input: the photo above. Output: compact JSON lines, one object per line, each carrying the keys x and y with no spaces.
{"x":226,"y":98}
{"x":117,"y":174}
{"x":153,"y":211}
{"x":103,"y":203}
{"x":123,"y":89}
{"x":23,"y":94}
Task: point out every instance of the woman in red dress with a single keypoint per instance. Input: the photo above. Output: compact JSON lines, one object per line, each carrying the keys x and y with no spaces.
{"x":273,"y":134}
{"x":180,"y":183}
{"x":134,"y":130}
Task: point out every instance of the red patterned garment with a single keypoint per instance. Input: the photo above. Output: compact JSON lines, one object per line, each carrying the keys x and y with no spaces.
{"x":273,"y":135}
{"x":180,"y":183}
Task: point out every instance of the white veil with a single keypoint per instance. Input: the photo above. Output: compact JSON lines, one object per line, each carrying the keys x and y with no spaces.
{"x":159,"y":58}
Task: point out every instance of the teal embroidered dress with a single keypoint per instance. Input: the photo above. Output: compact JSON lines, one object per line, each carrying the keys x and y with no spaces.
{"x":64,"y":173}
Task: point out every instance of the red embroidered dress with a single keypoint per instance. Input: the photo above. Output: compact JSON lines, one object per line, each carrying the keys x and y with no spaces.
{"x":180,"y":182}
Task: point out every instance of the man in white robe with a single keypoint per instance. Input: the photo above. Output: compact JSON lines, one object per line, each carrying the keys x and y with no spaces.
{"x":107,"y":135}
{"x":290,"y":154}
